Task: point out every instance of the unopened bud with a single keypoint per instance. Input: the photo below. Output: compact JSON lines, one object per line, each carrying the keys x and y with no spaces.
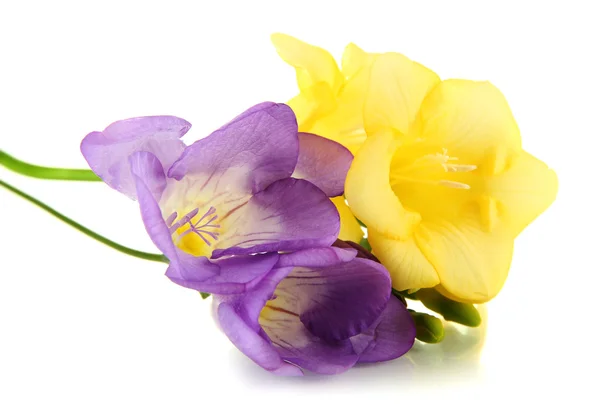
{"x":429,"y":328}
{"x":462,"y":313}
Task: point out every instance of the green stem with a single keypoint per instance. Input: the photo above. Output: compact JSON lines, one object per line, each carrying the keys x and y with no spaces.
{"x":42,"y":172}
{"x":86,"y":231}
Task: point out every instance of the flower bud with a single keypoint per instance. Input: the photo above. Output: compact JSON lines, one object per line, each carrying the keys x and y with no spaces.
{"x":462,"y":313}
{"x":429,"y":328}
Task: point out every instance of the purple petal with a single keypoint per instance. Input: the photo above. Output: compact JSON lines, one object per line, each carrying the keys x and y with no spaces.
{"x":249,"y":304}
{"x":390,"y":337}
{"x":146,"y":178}
{"x":238,"y":318}
{"x":146,"y":165}
{"x":338,"y":302}
{"x":314,"y":311}
{"x":297,"y":345}
{"x":316,"y":257}
{"x":323,"y":162}
{"x":248,"y":154}
{"x":107,"y":152}
{"x":232,"y":275}
{"x":291,"y":214}
{"x":224,"y":276}
{"x":279,"y":332}
{"x":362,"y":253}
{"x":252,"y":344}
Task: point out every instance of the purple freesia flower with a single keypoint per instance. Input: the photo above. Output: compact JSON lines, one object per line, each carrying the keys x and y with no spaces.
{"x":323,"y":318}
{"x":223,"y":209}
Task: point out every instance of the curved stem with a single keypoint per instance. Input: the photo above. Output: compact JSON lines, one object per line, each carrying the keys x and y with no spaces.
{"x":85,"y":230}
{"x":43,"y":172}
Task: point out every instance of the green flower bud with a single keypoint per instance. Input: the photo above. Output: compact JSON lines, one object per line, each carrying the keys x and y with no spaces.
{"x":462,"y":313}
{"x":429,"y":328}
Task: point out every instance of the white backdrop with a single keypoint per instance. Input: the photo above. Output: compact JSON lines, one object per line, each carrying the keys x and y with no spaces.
{"x":85,"y":330}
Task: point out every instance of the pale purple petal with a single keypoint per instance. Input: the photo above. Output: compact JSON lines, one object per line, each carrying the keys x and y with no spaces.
{"x":107,"y":152}
{"x":258,"y":349}
{"x":291,"y":214}
{"x":392,"y":335}
{"x":238,"y":318}
{"x":146,"y":165}
{"x":338,"y":302}
{"x":249,"y":304}
{"x":146,"y":176}
{"x":316,"y":257}
{"x":231,"y":275}
{"x":248,"y":154}
{"x":224,"y":276}
{"x":323,"y":162}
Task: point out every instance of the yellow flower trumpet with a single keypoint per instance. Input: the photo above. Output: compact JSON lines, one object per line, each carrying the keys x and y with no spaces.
{"x":442,"y":181}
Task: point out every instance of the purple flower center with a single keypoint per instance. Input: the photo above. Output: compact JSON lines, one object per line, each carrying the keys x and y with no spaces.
{"x":203,"y":227}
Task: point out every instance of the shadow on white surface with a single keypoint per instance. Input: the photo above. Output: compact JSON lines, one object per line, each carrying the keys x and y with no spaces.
{"x":455,"y":359}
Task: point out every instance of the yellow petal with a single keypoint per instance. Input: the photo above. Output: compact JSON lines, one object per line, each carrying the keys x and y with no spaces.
{"x":523,"y":191}
{"x":472,"y":263}
{"x":369,"y":193}
{"x":350,"y":228}
{"x":408,"y":267}
{"x":313,"y":64}
{"x":473,"y":121}
{"x":449,"y":295}
{"x":396,"y":89}
{"x":354,"y":59}
{"x":345,"y":124}
{"x":305,"y":109}
{"x":312,"y":104}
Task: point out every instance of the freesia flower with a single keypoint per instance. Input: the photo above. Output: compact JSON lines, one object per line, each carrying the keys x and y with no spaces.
{"x":324,"y":318}
{"x":223,"y":208}
{"x":442,"y":181}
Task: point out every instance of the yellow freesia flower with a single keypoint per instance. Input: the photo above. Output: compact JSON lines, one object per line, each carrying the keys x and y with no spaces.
{"x":442,"y":182}
{"x":330,"y":102}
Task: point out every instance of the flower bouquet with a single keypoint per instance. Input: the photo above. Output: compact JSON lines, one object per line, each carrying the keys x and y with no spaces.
{"x":340,"y":227}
